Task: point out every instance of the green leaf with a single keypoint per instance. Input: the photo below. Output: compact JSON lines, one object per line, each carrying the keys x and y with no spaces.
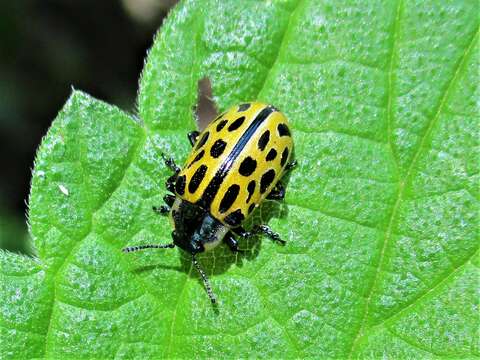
{"x":381,"y":215}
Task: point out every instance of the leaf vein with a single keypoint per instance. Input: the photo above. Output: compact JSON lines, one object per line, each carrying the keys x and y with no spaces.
{"x":410,"y":171}
{"x":54,"y":275}
{"x":333,"y":216}
{"x":411,"y":343}
{"x":427,"y":294}
{"x":390,"y":80}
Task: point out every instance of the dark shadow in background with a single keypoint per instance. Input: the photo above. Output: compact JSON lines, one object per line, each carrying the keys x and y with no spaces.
{"x":46,"y":47}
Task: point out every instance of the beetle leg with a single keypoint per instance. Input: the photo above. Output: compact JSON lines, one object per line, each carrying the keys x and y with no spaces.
{"x":162,"y":210}
{"x":170,"y":183}
{"x":265,"y":230}
{"x":232,"y":243}
{"x":170,"y":163}
{"x":291,"y":165}
{"x":240,"y":231}
{"x":259,"y":229}
{"x":277,"y":193}
{"x":193,"y":136}
{"x":169,"y":199}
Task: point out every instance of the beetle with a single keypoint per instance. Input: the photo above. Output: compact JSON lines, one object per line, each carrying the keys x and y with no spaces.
{"x":236,"y":162}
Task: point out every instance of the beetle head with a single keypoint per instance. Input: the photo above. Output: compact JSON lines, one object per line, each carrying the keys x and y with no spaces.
{"x":188,"y":219}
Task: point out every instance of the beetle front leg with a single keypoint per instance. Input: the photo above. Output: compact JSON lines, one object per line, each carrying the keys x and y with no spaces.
{"x":259,"y":229}
{"x":162,"y":210}
{"x":240,"y":231}
{"x":169,"y":199}
{"x":265,"y":230}
{"x":232,"y":243}
{"x":165,"y":209}
{"x":170,"y":163}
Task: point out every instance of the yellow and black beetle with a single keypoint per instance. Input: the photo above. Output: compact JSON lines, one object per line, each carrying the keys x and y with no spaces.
{"x":236,"y":162}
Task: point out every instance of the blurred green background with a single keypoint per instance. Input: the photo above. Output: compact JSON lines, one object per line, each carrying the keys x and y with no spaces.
{"x":46,"y":48}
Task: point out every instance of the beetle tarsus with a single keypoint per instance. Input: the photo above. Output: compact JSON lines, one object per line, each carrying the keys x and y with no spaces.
{"x":162,"y":210}
{"x":256,"y":230}
{"x":265,"y":230}
{"x":170,"y":163}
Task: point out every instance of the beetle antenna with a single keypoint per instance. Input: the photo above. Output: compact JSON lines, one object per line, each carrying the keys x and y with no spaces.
{"x":143,"y":247}
{"x":206,"y":283}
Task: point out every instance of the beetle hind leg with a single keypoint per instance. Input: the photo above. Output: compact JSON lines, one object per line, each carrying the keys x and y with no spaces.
{"x":291,"y":165}
{"x":192,"y":137}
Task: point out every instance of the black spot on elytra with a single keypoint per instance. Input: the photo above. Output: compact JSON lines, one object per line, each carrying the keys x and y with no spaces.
{"x":203,"y":140}
{"x":250,"y":208}
{"x":248,"y":166}
{"x":221,"y":125}
{"x":198,"y":157}
{"x":217,"y":148}
{"x":236,"y":124}
{"x":180,"y":185}
{"x":213,"y":187}
{"x":229,"y":198}
{"x":283,"y":130}
{"x":243,"y":107}
{"x":264,"y":139}
{"x":266,"y":180}
{"x":272,"y":154}
{"x":197,"y":179}
{"x":251,"y":189}
{"x":284,"y":156}
{"x":235,"y":218}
